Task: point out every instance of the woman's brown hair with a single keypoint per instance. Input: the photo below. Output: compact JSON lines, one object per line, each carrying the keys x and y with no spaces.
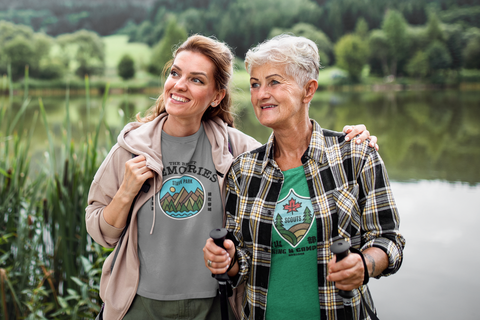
{"x":221,"y":56}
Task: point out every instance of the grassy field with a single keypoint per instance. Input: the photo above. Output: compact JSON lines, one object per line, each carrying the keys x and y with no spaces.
{"x":117,"y":45}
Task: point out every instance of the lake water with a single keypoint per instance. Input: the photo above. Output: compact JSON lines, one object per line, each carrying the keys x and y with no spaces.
{"x":429,"y":141}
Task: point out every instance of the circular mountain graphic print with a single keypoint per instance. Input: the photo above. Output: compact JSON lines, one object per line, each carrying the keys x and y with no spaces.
{"x":182,"y":197}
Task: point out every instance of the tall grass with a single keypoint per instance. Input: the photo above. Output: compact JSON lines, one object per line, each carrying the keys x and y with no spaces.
{"x":49,"y":267}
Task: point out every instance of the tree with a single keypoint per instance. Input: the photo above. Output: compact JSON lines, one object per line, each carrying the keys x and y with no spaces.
{"x":418,"y":66}
{"x":247,"y":23}
{"x":455,"y":44}
{"x":18,"y":53}
{"x":438,"y":56}
{"x":309,"y":31}
{"x":307,"y":216}
{"x":434,"y":32}
{"x":351,"y":54}
{"x":395,"y":29}
{"x":162,"y":52}
{"x":379,"y":50}
{"x":472,"y":54}
{"x":20,"y":46}
{"x":86,"y":50}
{"x":279,"y":223}
{"x":50,"y":69}
{"x":361,"y":28}
{"x":126,"y":67}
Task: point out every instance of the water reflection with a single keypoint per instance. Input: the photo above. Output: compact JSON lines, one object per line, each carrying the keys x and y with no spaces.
{"x":438,"y":279}
{"x":422,"y":135}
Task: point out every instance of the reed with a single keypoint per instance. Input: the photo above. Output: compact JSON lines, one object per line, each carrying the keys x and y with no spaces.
{"x":49,"y":266}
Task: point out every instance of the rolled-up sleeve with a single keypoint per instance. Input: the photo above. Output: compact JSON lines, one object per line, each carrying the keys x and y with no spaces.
{"x":104,"y":186}
{"x":234,"y":225}
{"x":380,"y":218}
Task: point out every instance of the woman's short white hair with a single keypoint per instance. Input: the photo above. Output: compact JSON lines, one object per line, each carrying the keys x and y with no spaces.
{"x":298,"y":54}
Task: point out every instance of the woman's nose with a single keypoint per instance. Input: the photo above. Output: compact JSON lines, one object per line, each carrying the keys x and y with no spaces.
{"x":181,"y":84}
{"x":263,"y":92}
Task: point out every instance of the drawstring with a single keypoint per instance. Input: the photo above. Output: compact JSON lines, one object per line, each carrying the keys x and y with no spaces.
{"x":153,"y":202}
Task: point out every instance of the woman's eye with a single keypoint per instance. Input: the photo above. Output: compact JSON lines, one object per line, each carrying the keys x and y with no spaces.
{"x":274,"y":82}
{"x":173,"y":73}
{"x":196,"y":80}
{"x":254,"y":85}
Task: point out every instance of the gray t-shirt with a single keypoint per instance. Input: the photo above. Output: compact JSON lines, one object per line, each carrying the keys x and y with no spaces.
{"x":188,"y":207}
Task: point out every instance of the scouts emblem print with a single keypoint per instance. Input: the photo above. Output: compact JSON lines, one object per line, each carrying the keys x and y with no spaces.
{"x":182,"y":197}
{"x":293,"y":217}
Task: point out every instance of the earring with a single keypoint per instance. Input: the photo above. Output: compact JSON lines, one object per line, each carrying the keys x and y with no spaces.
{"x":213,"y":104}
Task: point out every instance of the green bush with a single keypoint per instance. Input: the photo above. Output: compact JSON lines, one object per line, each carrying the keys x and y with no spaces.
{"x":351,"y":54}
{"x":126,"y":67}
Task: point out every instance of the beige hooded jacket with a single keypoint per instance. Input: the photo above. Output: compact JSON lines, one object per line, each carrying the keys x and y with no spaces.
{"x":118,"y":288}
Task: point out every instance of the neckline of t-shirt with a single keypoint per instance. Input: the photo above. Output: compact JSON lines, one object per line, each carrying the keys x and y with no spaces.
{"x":295,"y":170}
{"x":190,"y":138}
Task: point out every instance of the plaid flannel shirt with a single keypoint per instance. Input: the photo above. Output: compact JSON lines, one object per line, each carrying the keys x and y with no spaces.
{"x":351,"y":197}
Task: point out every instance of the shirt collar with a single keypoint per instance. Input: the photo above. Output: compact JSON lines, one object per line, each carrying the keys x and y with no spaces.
{"x":315,"y":150}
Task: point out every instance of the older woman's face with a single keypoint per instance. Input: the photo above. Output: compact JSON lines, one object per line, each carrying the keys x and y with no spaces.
{"x":276,"y":97}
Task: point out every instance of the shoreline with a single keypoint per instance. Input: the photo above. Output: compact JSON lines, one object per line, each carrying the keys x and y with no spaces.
{"x":393,"y":87}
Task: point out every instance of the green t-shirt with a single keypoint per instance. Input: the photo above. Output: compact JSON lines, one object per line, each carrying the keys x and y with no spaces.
{"x":293,"y":285}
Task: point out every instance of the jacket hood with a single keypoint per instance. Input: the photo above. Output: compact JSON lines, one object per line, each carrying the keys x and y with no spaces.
{"x":145,"y":139}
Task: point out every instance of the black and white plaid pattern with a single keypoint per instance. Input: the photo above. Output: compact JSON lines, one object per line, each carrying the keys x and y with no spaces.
{"x":351,"y":197}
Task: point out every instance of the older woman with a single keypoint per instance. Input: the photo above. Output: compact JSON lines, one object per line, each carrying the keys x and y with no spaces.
{"x":182,"y":149}
{"x":290,"y":199}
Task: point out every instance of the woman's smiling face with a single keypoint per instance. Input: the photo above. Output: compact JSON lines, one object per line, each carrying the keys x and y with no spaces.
{"x":276,"y":97}
{"x":190,"y":88}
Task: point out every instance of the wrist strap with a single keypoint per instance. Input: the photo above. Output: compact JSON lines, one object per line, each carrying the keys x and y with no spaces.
{"x":370,"y":312}
{"x":366,"y":277}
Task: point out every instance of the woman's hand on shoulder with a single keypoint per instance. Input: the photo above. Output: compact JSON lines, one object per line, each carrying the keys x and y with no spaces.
{"x":363,"y":134}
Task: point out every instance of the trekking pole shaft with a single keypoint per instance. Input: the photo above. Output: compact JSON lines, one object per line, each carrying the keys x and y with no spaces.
{"x":218,"y":236}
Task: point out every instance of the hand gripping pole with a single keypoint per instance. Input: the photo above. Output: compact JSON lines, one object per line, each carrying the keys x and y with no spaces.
{"x":218,"y":235}
{"x":341,"y":249}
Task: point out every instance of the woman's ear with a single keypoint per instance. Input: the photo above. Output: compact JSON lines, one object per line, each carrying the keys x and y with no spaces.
{"x":219,"y":97}
{"x":310,"y":89}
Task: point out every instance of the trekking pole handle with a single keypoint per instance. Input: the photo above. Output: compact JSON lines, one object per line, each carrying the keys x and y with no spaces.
{"x":218,"y":235}
{"x":341,"y":249}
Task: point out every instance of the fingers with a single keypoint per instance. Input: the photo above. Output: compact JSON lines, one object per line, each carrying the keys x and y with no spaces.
{"x":217,"y":259}
{"x":136,"y":173}
{"x":363,"y":134}
{"x":347,"y":129}
{"x":373,"y":142}
{"x":353,"y":131}
{"x":348,"y":273}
